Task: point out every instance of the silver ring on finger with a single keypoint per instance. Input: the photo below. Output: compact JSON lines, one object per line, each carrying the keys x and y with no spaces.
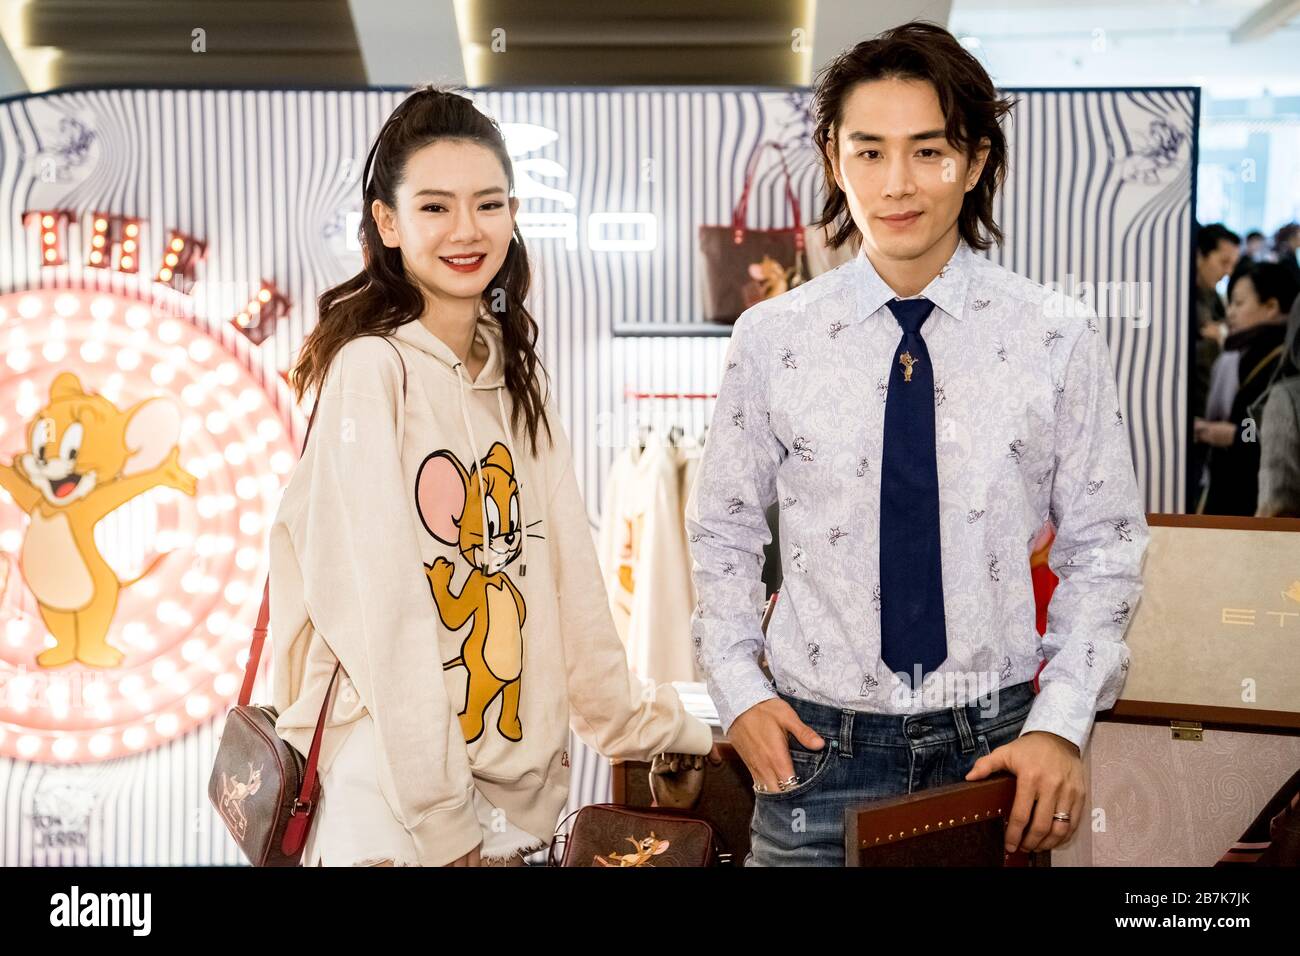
{"x":788,"y":782}
{"x":1061,"y":815}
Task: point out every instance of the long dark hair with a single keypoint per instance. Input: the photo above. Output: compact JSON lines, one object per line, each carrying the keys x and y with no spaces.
{"x":381,"y":297}
{"x":970,"y":103}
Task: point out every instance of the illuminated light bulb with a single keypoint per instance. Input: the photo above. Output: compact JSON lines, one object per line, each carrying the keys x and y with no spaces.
{"x":209,"y":506}
{"x":96,"y":257}
{"x":243,"y":320}
{"x":225,"y":684}
{"x":130,"y":685}
{"x":128,"y":245}
{"x":191,"y":581}
{"x":148,"y":587}
{"x":178,"y":243}
{"x":98,"y":243}
{"x":164,"y":275}
{"x":200,"y":350}
{"x":66,"y":305}
{"x":213,"y":663}
{"x":236,"y":454}
{"x":54,"y":351}
{"x":92,"y":351}
{"x":254,"y":307}
{"x":216,"y":422}
{"x":193,"y":650}
{"x":162,"y":373}
{"x":142,"y":703}
{"x":169,"y":331}
{"x":281,"y":463}
{"x":101,"y":225}
{"x":102,"y":308}
{"x":241,"y":658}
{"x":236,"y":593}
{"x":171,"y":259}
{"x":250,"y":522}
{"x":205,"y":547}
{"x":132,"y":229}
{"x":115,"y":381}
{"x":128,"y":360}
{"x":270,"y":484}
{"x":100,"y":745}
{"x":28,"y":746}
{"x":137,"y":317}
{"x":166,"y":725}
{"x":27,"y":405}
{"x":134,"y":738}
{"x":47,"y":221}
{"x":197,"y":467}
{"x":193,"y":395}
{"x":250,"y":399}
{"x":247,"y":559}
{"x":11,"y":540}
{"x":50,"y":255}
{"x":245,"y":487}
{"x":127,"y":262}
{"x":49,"y":238}
{"x":269,"y":429}
{"x":198,"y":705}
{"x":30,"y":306}
{"x":216,"y":462}
{"x":227,"y":373}
{"x":20,"y":361}
{"x":65,"y":748}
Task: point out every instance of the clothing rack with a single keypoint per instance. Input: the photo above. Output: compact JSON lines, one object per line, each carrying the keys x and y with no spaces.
{"x":632,"y":395}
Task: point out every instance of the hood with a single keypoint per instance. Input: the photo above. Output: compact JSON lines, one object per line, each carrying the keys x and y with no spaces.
{"x":490,"y":379}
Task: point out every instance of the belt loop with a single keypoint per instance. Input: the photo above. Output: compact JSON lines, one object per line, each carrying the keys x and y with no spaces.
{"x":963,"y":729}
{"x":846,"y":733}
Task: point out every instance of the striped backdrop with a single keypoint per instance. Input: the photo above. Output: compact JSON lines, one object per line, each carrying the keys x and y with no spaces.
{"x":1100,"y":189}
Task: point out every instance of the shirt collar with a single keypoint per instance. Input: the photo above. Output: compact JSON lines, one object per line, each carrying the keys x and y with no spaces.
{"x":947,"y":290}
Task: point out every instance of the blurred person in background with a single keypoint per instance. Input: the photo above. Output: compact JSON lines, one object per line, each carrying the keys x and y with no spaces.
{"x":1258,"y":302}
{"x":1279,"y":431}
{"x":1216,"y":255}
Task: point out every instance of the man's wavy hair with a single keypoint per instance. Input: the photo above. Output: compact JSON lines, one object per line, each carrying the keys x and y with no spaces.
{"x":970,"y":103}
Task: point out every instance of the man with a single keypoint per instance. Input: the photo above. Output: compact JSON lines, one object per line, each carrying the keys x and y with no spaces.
{"x":1216,"y":256}
{"x":916,"y":446}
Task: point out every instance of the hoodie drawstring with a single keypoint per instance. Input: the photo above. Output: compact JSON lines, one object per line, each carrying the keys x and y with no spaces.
{"x":478,"y":467}
{"x":510,"y":443}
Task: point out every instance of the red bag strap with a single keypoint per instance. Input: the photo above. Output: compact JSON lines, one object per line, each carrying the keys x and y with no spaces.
{"x":263,"y":621}
{"x":742,"y":207}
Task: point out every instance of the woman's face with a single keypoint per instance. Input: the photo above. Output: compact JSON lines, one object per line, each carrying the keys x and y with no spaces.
{"x":452,"y":204}
{"x":1245,"y":309}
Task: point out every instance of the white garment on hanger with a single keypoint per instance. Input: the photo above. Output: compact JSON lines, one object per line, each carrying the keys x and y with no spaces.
{"x":645,"y":561}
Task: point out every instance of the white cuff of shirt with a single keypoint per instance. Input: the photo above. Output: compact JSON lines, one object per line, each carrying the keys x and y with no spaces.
{"x":1060,"y":709}
{"x":740,"y":699}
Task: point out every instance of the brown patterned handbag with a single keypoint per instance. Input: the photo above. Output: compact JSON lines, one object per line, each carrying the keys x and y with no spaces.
{"x":743,"y":266}
{"x":265,"y":790}
{"x":607,"y":834}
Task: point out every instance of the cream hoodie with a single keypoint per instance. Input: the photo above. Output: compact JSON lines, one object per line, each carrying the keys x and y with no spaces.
{"x":472,"y":664}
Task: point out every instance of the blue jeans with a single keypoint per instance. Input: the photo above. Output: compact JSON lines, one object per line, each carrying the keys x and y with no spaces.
{"x":869,"y":757}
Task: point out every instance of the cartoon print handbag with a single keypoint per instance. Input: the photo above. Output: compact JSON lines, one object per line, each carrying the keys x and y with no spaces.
{"x":262,"y":787}
{"x":607,"y":834}
{"x":743,"y":266}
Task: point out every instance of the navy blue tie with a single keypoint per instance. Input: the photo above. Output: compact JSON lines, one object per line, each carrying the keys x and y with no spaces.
{"x":912,"y":631}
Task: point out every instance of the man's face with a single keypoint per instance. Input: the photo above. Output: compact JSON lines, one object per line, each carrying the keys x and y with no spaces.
{"x":1213,"y":267}
{"x":903,"y":181}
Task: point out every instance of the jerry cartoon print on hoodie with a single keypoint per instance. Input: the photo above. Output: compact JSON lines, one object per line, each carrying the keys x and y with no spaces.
{"x":447,"y":498}
{"x":86,"y":459}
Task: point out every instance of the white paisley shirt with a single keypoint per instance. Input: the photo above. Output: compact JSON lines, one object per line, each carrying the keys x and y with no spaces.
{"x":1027,"y":428}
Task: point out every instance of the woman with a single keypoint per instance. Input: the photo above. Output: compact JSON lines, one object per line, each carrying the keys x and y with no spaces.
{"x":432,"y":540}
{"x":1257,"y":302}
{"x":1279,"y":432}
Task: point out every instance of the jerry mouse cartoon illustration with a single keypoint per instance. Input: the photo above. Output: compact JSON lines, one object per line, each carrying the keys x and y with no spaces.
{"x":448,"y":501}
{"x":85,"y":458}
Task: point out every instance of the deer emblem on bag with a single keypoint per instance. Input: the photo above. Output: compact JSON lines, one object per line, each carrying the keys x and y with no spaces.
{"x":233,"y":794}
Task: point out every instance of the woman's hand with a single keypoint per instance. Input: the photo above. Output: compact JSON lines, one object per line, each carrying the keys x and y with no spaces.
{"x":469,"y":859}
{"x":1215,"y":434}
